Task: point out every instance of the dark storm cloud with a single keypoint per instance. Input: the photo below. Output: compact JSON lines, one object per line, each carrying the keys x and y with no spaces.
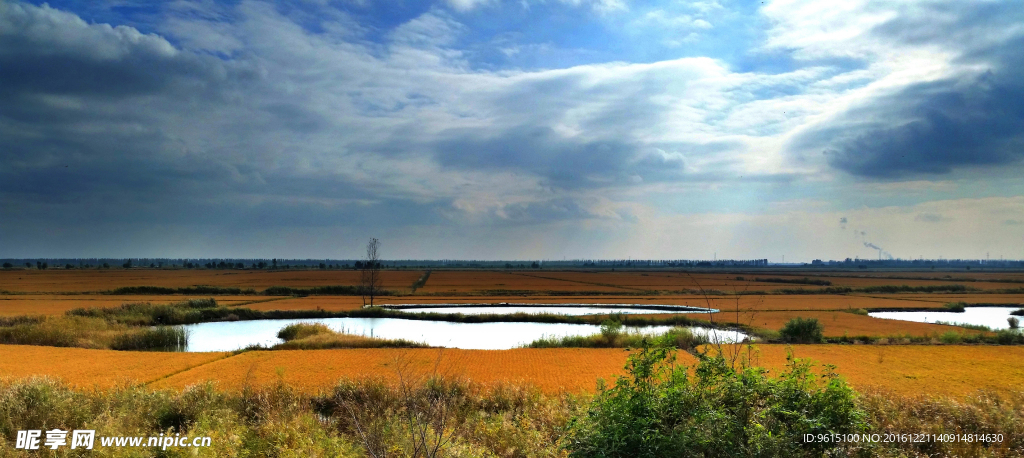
{"x":567,"y":162}
{"x":538,"y":150}
{"x":935,"y":127}
{"x":46,"y":51}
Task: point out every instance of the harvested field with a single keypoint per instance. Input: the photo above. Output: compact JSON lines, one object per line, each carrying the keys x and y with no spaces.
{"x":953,"y":370}
{"x":101,"y":368}
{"x":58,"y":304}
{"x":968,"y":298}
{"x":62,"y":281}
{"x":552,"y":370}
{"x":677,"y":280}
{"x":328,"y":303}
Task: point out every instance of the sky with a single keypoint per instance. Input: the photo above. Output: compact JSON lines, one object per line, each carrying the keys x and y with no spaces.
{"x":512,"y":129}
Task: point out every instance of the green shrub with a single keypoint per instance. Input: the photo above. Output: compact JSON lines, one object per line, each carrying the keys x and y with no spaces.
{"x":957,"y":307}
{"x":1009,"y":337}
{"x":660,"y":410}
{"x":950,"y":337}
{"x":802,"y":330}
{"x":1014,"y":322}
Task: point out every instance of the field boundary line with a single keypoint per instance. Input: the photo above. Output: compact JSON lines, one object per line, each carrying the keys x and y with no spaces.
{"x":172,"y":374}
{"x":260,"y":301}
{"x":607,"y":285}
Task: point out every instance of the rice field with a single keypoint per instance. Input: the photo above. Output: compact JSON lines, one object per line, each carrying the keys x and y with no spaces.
{"x":911,"y":370}
{"x":901,"y":369}
{"x":14,"y":305}
{"x":96,"y":368}
{"x":94,"y":280}
{"x":946,"y":369}
{"x":551,"y":370}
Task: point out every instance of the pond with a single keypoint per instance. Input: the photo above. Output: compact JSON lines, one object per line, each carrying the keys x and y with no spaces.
{"x":558,"y":309}
{"x":993,"y":317}
{"x":232,"y":335}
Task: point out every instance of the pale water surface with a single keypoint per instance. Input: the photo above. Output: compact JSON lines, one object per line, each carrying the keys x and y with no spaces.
{"x":232,"y":335}
{"x":556,"y":309}
{"x":993,"y":317}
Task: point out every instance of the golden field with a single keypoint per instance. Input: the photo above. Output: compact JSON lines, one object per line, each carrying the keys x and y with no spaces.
{"x":54,"y":291}
{"x":12,"y":305}
{"x":946,"y":369}
{"x":949,"y":370}
{"x":94,"y":280}
{"x":100,"y":368}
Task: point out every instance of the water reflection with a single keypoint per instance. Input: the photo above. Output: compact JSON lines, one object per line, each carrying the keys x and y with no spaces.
{"x":232,"y":335}
{"x":993,"y":317}
{"x":556,"y":309}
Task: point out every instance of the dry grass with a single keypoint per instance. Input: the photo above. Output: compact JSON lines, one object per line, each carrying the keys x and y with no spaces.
{"x":318,"y":336}
{"x":101,"y":368}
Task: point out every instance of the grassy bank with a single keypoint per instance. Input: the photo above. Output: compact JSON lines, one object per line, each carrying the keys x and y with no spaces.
{"x":316,"y":336}
{"x":91,"y":332}
{"x":613,"y":336}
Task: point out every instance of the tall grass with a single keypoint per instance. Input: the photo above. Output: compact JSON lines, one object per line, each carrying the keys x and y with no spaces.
{"x":200,"y":289}
{"x":165,"y":338}
{"x":613,"y":336}
{"x":93,"y":332}
{"x":313,"y":336}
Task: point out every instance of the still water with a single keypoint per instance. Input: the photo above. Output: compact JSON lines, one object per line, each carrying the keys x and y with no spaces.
{"x":559,"y":309}
{"x":993,"y":317}
{"x":232,"y":335}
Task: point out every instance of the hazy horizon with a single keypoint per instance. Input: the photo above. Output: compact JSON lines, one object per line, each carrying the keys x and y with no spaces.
{"x":489,"y":129}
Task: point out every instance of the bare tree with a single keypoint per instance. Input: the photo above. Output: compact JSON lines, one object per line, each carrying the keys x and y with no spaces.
{"x":371,"y":280}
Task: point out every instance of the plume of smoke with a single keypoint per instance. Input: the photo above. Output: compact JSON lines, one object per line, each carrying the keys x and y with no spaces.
{"x":881,"y":252}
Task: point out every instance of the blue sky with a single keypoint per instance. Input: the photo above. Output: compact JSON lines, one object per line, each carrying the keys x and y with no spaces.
{"x":525,"y":129}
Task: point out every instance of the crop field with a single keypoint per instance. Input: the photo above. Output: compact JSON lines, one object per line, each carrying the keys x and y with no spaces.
{"x":442,"y":282}
{"x":100,"y":368}
{"x":93,"y":280}
{"x":674,"y":281}
{"x":551,"y":370}
{"x":903,"y":369}
{"x":913,"y":370}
